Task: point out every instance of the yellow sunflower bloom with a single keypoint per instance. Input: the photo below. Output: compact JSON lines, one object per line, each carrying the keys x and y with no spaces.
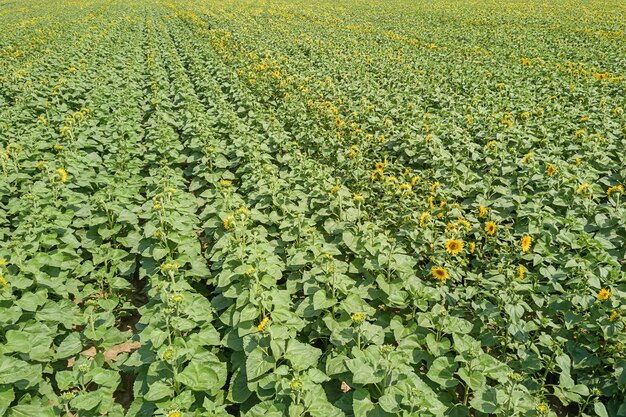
{"x":454,"y":246}
{"x":439,"y":273}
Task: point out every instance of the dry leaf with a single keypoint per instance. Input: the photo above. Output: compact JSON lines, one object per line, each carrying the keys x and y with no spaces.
{"x":345,"y":387}
{"x":110,"y":354}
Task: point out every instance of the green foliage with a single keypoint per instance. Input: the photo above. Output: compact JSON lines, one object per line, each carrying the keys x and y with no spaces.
{"x":316,"y":209}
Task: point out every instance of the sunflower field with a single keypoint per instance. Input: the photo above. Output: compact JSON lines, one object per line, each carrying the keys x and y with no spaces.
{"x":348,"y":208}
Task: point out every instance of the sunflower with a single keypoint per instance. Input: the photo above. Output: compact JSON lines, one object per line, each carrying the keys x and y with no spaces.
{"x":614,"y":316}
{"x":380,"y":166}
{"x":465,"y":223}
{"x":405,"y":187}
{"x":584,"y":189}
{"x":62,"y":175}
{"x":358,"y":318}
{"x":338,"y":122}
{"x":490,"y":228}
{"x":262,"y":324}
{"x":551,"y":170}
{"x":439,"y":273}
{"x":423,"y":217}
{"x":482,"y":211}
{"x":228,"y":223}
{"x":527,"y":157}
{"x":604,"y":294}
{"x":454,"y":246}
{"x":521,"y":271}
{"x":472,"y":247}
{"x":526,"y":242}
{"x":615,"y":189}
{"x":358,"y":197}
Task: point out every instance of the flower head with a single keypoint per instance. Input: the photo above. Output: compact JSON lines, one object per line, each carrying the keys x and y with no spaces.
{"x":62,"y":175}
{"x":527,"y":157}
{"x":262,"y":324}
{"x":465,"y":223}
{"x":526,"y":242}
{"x":551,"y":170}
{"x":357,"y":318}
{"x":170,"y":266}
{"x":228,"y":223}
{"x":439,"y":273}
{"x":225,"y":183}
{"x":584,"y":189}
{"x":472,"y":247}
{"x":177,"y":298}
{"x":604,"y":294}
{"x":490,"y":228}
{"x":453,"y":246}
{"x":358,"y":198}
{"x":391,"y":179}
{"x":423,"y":218}
{"x":295,"y":385}
{"x":175,"y":413}
{"x":614,"y":316}
{"x":543,"y":408}
{"x":521,"y":271}
{"x":405,"y":187}
{"x":615,"y":189}
{"x":482,"y":211}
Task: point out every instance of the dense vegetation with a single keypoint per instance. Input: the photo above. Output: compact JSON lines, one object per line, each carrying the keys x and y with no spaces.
{"x":329,"y":208}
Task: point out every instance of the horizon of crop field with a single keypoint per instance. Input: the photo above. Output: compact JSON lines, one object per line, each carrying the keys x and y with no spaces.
{"x":312,"y":209}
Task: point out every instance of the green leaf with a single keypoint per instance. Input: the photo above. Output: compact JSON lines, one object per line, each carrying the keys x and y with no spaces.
{"x":301,"y":355}
{"x":18,"y":341}
{"x":474,"y":379}
{"x":208,"y":374}
{"x":86,"y":401}
{"x":70,"y":346}
{"x":13,"y":371}
{"x":485,"y":401}
{"x":267,"y":409}
{"x":7,"y":395}
{"x":26,"y":410}
{"x":600,"y":409}
{"x":258,"y":363}
{"x":442,"y":372}
{"x":158,"y":390}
